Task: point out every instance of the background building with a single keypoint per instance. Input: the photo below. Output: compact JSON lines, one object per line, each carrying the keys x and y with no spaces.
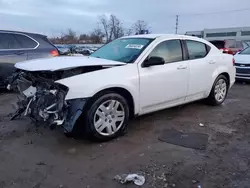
{"x":237,"y":33}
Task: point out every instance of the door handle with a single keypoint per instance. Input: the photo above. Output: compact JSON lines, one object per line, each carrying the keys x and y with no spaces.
{"x":212,"y":62}
{"x":182,"y":67}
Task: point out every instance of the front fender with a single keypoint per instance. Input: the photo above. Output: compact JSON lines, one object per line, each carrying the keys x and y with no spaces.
{"x":88,"y":84}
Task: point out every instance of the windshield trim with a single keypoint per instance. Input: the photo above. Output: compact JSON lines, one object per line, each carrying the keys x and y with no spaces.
{"x":144,"y":47}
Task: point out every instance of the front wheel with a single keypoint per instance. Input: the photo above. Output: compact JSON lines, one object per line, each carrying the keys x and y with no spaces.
{"x":219,"y":91}
{"x":107,"y":117}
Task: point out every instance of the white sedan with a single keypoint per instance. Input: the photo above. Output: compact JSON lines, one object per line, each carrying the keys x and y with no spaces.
{"x":130,"y":76}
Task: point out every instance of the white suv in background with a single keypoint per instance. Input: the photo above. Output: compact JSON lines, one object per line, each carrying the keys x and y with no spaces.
{"x":130,"y":76}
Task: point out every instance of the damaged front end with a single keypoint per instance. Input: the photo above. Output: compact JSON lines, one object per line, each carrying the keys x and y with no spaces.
{"x":43,"y":100}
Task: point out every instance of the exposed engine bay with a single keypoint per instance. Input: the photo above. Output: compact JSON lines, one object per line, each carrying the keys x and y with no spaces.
{"x":43,"y":100}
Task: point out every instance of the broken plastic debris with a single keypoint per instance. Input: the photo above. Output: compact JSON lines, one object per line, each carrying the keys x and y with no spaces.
{"x":201,"y":125}
{"x":198,"y":186}
{"x":194,"y":181}
{"x":125,"y":178}
{"x":9,"y":87}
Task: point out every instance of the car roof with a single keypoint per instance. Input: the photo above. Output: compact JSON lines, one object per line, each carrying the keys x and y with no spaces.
{"x":153,"y":36}
{"x":166,"y":36}
{"x":22,"y":32}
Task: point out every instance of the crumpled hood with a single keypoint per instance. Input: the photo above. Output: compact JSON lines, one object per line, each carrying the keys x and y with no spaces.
{"x":241,"y":58}
{"x":63,"y":63}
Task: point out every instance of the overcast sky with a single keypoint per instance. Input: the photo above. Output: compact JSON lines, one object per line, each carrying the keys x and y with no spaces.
{"x":52,"y":17}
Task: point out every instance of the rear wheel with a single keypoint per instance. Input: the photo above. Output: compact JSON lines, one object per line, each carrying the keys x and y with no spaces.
{"x":219,"y":91}
{"x":107,"y":117}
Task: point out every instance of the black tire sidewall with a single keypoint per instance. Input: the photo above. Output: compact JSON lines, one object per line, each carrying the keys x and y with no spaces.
{"x":89,"y":119}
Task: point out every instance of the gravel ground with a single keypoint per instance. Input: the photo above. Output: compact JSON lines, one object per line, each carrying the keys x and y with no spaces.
{"x":36,"y":157}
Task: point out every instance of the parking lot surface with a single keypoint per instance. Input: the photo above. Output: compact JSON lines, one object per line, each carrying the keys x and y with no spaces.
{"x":36,"y":157}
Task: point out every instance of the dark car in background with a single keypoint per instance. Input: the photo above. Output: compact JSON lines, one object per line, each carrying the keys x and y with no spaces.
{"x":229,"y":46}
{"x":63,"y":50}
{"x":21,"y":46}
{"x":83,"y":50}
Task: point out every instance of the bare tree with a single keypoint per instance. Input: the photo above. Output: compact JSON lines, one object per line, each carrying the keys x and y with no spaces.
{"x":116,"y":27}
{"x":106,"y":27}
{"x":129,"y":32}
{"x":69,"y":37}
{"x":112,"y":27}
{"x":140,"y":26}
{"x":96,"y":36}
{"x":83,"y":37}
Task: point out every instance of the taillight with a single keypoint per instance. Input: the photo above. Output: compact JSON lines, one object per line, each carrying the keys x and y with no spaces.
{"x":54,"y":53}
{"x":227,"y":51}
{"x":233,"y":61}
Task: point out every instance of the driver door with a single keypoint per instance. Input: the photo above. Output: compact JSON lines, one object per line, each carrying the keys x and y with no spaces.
{"x":163,"y":86}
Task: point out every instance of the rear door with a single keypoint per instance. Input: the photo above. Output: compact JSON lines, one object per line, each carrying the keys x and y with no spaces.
{"x":10,"y":49}
{"x":201,"y":68}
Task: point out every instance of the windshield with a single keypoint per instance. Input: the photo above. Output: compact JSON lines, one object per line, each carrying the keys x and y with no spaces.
{"x":246,"y":51}
{"x":124,"y":50}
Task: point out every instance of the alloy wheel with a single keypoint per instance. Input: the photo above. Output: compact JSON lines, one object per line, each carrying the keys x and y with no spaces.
{"x":220,"y":90}
{"x":109,"y":117}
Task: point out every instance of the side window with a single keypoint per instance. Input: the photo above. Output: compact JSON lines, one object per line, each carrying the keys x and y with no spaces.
{"x":8,"y":42}
{"x":170,"y":51}
{"x":25,"y":42}
{"x":196,"y":49}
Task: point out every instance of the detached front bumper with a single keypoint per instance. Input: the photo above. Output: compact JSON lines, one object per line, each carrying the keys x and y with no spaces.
{"x":75,"y":110}
{"x":46,"y":103}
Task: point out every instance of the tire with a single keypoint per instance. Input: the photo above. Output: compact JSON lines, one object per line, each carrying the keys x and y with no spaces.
{"x":222,"y":83}
{"x":93,"y":118}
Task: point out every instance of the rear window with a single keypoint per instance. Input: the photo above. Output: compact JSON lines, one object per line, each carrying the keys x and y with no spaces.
{"x":25,"y":41}
{"x":230,"y":44}
{"x":239,"y":44}
{"x":48,"y":41}
{"x":218,"y":44}
{"x":196,"y":49}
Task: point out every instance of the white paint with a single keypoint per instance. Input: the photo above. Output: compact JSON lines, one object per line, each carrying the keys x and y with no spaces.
{"x":60,"y":63}
{"x":152,"y":88}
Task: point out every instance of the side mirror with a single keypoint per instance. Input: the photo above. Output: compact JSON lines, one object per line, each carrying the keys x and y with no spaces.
{"x":152,"y":61}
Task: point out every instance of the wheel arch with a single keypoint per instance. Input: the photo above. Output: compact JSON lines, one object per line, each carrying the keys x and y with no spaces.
{"x":121,"y":91}
{"x":220,"y":71}
{"x":227,"y":76}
